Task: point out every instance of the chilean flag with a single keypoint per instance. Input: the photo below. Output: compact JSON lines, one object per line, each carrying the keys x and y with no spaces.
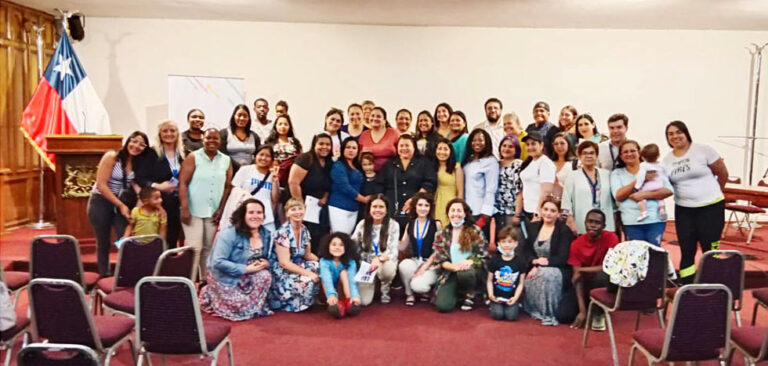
{"x":64,"y":103}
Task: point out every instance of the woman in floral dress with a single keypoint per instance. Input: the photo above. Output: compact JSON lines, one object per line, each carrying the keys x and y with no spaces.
{"x":294,"y":267}
{"x":238,"y":271}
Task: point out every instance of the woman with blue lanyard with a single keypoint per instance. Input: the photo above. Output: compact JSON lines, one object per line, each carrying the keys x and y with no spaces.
{"x":417,"y":269}
{"x":377,"y":236}
{"x":159,"y":169}
{"x":587,"y":188}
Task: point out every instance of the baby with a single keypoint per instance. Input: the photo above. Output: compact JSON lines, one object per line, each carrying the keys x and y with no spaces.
{"x":650,"y":177}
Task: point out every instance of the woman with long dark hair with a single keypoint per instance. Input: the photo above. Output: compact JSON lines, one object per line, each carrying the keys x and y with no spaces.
{"x":458,"y":134}
{"x":450,"y":179}
{"x":443,"y":113}
{"x":286,"y":146}
{"x":237,"y":140}
{"x":377,"y":236}
{"x":426,"y":135}
{"x":417,"y":269}
{"x":334,"y":119}
{"x":346,"y":179}
{"x":260,"y":179}
{"x":380,"y":138}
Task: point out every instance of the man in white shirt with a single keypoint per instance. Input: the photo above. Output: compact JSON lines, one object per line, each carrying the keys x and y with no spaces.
{"x":263,"y":125}
{"x":492,"y":125}
{"x":608,"y":157}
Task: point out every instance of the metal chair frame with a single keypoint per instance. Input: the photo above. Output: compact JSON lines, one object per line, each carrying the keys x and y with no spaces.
{"x":42,"y":347}
{"x":32,"y":264}
{"x":105,"y":308}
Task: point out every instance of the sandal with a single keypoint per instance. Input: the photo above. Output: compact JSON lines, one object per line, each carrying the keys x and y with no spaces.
{"x":410,"y":301}
{"x":467,"y":305}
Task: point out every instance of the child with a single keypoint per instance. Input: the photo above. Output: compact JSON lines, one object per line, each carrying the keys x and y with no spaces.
{"x":338,"y":266}
{"x":149,"y":218}
{"x":369,"y":186}
{"x":650,"y":177}
{"x":506,"y":276}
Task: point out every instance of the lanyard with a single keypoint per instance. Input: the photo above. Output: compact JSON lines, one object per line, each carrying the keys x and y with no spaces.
{"x":174,"y":164}
{"x":375,"y":245}
{"x":595,"y":187}
{"x":420,"y":237}
{"x":613,"y":157}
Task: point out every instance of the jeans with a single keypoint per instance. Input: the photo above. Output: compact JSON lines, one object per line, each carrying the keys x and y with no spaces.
{"x":502,"y":311}
{"x":104,"y":216}
{"x":651,"y":233}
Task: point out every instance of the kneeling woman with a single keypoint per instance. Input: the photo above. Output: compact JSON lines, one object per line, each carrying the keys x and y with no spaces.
{"x":546,"y":249}
{"x":294,"y":267}
{"x":377,"y":236}
{"x":460,"y":251}
{"x":338,"y":266}
{"x":238,"y":270}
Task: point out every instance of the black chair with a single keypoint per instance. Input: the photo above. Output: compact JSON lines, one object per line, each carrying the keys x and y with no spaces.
{"x":137,"y":258}
{"x":55,"y":354}
{"x":8,"y":337}
{"x":15,"y":281}
{"x":58,"y":256}
{"x":178,"y":262}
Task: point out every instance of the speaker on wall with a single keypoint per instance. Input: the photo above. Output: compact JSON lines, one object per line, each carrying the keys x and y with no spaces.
{"x":76,"y":30}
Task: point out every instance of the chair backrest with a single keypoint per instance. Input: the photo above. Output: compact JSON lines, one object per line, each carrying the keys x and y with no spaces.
{"x":733,"y":180}
{"x":646,"y":293}
{"x":725,"y":267}
{"x":60,"y":313}
{"x":700,"y":325}
{"x":57,"y":354}
{"x":178,"y":262}
{"x":168,"y":316}
{"x":56,"y":256}
{"x":137,"y":258}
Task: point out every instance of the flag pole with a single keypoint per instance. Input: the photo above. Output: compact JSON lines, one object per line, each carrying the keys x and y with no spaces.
{"x":41,"y":223}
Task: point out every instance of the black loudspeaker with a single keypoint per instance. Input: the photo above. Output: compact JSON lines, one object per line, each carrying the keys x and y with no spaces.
{"x":76,"y":30}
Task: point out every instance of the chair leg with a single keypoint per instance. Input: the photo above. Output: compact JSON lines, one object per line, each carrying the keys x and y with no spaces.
{"x":614,"y":352}
{"x":737,"y":313}
{"x":754,"y":312}
{"x":661,"y":317}
{"x":632,"y":354}
{"x":637,"y":321}
{"x":230,"y":353}
{"x":8,"y":353}
{"x":140,"y":359}
{"x":587,"y":323}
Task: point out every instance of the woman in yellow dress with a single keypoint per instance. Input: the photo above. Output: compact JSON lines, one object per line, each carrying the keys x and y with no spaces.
{"x":450,"y":179}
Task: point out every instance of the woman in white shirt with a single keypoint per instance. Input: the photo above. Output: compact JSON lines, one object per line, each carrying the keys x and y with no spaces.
{"x":537,"y":174}
{"x":261,"y":180}
{"x":698,"y":175}
{"x":565,"y":161}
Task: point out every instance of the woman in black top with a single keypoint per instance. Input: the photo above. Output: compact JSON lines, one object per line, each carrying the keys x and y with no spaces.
{"x":159,"y":169}
{"x":402,"y":176}
{"x":416,"y":269}
{"x":311,"y":176}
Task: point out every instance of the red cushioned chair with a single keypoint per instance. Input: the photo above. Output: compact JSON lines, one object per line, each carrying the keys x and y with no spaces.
{"x":58,"y":256}
{"x":752,"y":342}
{"x":168,"y":321}
{"x":699,"y":328}
{"x":761,"y":299}
{"x":747,"y":209}
{"x":60,"y":315}
{"x":725,"y":267}
{"x":8,"y":337}
{"x":15,"y":281}
{"x":136,"y":259}
{"x":55,"y":354}
{"x":646,"y":295}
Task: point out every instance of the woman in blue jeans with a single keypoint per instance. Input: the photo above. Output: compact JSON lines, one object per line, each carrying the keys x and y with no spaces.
{"x":652,"y":228}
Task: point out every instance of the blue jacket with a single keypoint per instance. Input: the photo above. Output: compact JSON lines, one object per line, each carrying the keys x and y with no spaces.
{"x":345,"y":186}
{"x":229,"y":258}
{"x":330,"y":272}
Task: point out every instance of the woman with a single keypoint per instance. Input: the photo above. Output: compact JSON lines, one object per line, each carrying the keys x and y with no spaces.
{"x":261,"y":181}
{"x":586,"y":130}
{"x":508,"y":203}
{"x":403,"y":119}
{"x":567,"y":123}
{"x":346,"y":181}
{"x":622,"y":186}
{"x":193,"y":137}
{"x":377,"y":236}
{"x":698,"y":174}
{"x":460,"y":253}
{"x":426,"y":136}
{"x":311,"y":177}
{"x":450,"y":179}
{"x":159,"y":169}
{"x":512,"y":128}
{"x":334,"y":119}
{"x":403,"y":176}
{"x":564,"y":160}
{"x":380,"y":139}
{"x":114,"y":194}
{"x":355,"y":127}
{"x":537,"y":174}
{"x":481,"y":178}
{"x":586,"y":189}
{"x":294,"y":267}
{"x":238,"y":141}
{"x":443,"y":113}
{"x":286,"y":146}
{"x":204,"y":184}
{"x":458,"y":134}
{"x":417,"y":268}
{"x":546,"y":249}
{"x":238,"y":269}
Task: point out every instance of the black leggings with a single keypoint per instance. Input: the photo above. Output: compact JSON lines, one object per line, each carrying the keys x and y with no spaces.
{"x":702,"y":225}
{"x":104,"y":216}
{"x":172,"y":208}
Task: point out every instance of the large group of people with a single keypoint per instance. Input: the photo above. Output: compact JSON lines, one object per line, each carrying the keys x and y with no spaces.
{"x":517,"y":218}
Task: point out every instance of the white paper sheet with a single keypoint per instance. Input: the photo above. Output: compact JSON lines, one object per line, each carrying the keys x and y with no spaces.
{"x":312,"y":211}
{"x":363,"y":276}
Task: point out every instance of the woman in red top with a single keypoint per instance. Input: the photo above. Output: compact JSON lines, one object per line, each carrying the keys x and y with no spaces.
{"x":379,"y":140}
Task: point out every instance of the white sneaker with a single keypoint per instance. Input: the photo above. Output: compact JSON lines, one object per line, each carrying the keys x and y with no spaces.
{"x":385,"y":298}
{"x":643,"y":216}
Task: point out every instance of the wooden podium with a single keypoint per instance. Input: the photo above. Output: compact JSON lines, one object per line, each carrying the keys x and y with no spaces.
{"x":77,"y":159}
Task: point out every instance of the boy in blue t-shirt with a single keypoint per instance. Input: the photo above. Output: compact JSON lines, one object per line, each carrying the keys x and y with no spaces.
{"x":506,"y":276}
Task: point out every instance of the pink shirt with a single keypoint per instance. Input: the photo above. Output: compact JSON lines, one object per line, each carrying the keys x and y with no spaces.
{"x":382,"y":150}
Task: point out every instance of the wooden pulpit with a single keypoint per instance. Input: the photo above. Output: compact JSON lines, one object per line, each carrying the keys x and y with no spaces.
{"x":77,"y":159}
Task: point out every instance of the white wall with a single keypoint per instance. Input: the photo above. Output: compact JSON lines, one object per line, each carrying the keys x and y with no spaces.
{"x":700,"y":77}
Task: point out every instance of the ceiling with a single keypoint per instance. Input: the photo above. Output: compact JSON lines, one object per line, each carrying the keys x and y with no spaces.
{"x":615,"y":14}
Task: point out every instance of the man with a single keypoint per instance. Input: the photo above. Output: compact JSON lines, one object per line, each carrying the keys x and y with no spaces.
{"x":193,"y":137}
{"x":542,"y":125}
{"x":281,"y":108}
{"x":492,"y":125}
{"x":608,"y":157}
{"x":586,"y":256}
{"x":263,"y":126}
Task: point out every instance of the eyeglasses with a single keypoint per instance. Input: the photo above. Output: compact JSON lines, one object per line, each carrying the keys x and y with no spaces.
{"x":137,"y":142}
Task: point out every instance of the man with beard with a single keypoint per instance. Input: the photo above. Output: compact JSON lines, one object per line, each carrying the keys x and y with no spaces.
{"x":492,"y":125}
{"x":542,"y":125}
{"x":263,"y":126}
